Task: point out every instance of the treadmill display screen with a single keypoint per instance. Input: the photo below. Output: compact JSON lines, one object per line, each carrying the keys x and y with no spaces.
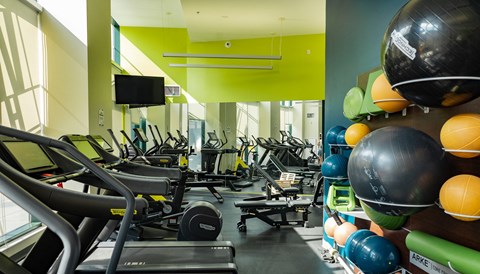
{"x":29,"y":156}
{"x":104,"y":144}
{"x":87,"y":149}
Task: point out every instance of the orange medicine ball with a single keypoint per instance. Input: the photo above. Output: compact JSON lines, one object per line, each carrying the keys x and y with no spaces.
{"x":342,"y":233}
{"x":330,"y":226}
{"x":459,"y":197}
{"x":462,"y":132}
{"x":355,"y":133}
{"x":385,"y":98}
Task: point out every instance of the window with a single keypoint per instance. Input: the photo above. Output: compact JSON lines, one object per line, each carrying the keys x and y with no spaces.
{"x":21,"y":102}
{"x":286,"y":116}
{"x":247,"y":119}
{"x":115,"y":42}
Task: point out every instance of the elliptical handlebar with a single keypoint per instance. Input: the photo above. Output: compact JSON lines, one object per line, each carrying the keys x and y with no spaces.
{"x":221,"y":140}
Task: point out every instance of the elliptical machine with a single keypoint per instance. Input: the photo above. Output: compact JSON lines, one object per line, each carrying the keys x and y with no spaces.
{"x":212,"y":152}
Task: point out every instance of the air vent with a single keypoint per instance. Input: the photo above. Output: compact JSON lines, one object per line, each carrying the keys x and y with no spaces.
{"x":172,"y":90}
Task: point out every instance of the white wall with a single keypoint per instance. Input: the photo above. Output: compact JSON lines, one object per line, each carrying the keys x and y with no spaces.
{"x":66,"y":66}
{"x":21,"y":90}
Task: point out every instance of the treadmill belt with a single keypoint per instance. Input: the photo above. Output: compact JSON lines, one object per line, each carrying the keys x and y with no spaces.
{"x":163,"y":259}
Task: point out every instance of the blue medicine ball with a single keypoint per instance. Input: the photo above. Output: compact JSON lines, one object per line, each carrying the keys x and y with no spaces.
{"x":335,"y":166}
{"x":332,"y":133}
{"x":341,"y":138}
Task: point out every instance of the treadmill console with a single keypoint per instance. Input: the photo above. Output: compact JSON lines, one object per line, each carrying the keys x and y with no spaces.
{"x":29,"y":157}
{"x":102,"y":142}
{"x":85,"y":147}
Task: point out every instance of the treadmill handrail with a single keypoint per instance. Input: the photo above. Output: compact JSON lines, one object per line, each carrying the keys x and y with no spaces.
{"x":121,"y":153}
{"x":162,"y":173}
{"x":137,"y":151}
{"x":65,"y":231}
{"x":63,"y":200}
{"x":159,"y":135}
{"x":155,"y":146}
{"x":102,"y":174}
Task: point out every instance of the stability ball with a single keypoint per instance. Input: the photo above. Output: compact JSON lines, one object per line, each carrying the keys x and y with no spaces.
{"x":335,"y":166}
{"x":397,"y":170}
{"x":331,"y":225}
{"x":383,"y":220}
{"x":462,"y":132}
{"x":459,"y":197}
{"x":385,"y":98}
{"x":376,"y":255}
{"x":352,"y":242}
{"x":331,"y":136}
{"x":429,"y":52}
{"x":342,"y":232}
{"x":355,"y":133}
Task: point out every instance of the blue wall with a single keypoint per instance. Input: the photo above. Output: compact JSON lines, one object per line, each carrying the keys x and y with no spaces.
{"x":354,"y":34}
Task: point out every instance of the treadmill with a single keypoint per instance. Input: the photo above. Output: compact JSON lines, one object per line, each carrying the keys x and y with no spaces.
{"x":32,"y":162}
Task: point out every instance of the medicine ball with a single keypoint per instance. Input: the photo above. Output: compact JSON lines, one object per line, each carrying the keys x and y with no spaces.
{"x":459,"y":197}
{"x":355,"y":133}
{"x":385,"y":98}
{"x":335,"y":167}
{"x":332,"y":133}
{"x":462,"y":132}
{"x":342,"y":232}
{"x":430,"y":52}
{"x":331,"y":225}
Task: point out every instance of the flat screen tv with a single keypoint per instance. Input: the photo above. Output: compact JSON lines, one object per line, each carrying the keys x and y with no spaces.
{"x":139,"y":91}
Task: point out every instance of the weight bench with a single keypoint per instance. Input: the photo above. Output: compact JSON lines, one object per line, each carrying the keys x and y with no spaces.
{"x":265,"y":209}
{"x":300,"y":172}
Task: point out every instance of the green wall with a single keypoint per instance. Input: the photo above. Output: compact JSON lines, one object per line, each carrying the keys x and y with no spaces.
{"x":153,"y":42}
{"x":300,"y":75}
{"x":99,"y":67}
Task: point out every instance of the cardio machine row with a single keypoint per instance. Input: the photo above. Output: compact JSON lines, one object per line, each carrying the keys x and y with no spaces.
{"x":35,"y":163}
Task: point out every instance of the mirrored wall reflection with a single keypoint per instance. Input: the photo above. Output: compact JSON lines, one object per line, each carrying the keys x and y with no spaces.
{"x":238,"y":125}
{"x":232,"y":126}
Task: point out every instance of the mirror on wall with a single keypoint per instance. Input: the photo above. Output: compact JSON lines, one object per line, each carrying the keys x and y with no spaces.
{"x":222,"y":125}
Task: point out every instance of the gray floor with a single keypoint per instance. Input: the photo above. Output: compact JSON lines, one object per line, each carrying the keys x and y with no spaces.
{"x":266,"y":249}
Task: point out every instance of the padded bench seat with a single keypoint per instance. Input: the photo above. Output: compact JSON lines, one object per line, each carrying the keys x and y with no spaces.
{"x":273,"y":203}
{"x":265,"y":209}
{"x":300,"y":203}
{"x":261,"y":204}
